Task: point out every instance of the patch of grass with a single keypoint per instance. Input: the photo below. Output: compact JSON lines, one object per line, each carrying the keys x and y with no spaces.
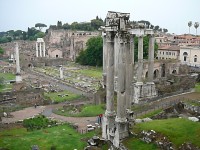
{"x":54,"y":96}
{"x":137,"y":144}
{"x":86,"y":111}
{"x":62,"y":137}
{"x":151,"y":114}
{"x":192,"y":102}
{"x":197,"y":87}
{"x":7,"y":76}
{"x":95,"y":72}
{"x":6,"y":87}
{"x":177,"y":130}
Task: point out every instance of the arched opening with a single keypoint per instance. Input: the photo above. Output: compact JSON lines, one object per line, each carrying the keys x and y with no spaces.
{"x":185,"y":54}
{"x":174,"y":72}
{"x":163,"y":70}
{"x":146,"y":75}
{"x":155,"y":74}
{"x":30,"y":65}
{"x":195,"y":58}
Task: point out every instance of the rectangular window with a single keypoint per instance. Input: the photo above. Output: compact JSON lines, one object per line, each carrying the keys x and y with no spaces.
{"x":195,"y":59}
{"x":166,"y":53}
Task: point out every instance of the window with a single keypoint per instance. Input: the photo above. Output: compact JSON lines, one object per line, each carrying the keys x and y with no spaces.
{"x":195,"y":58}
{"x":184,"y":58}
{"x":166,"y":53}
{"x":163,"y":53}
{"x":169,"y":53}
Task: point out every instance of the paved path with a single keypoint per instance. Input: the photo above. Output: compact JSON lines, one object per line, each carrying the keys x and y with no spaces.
{"x":20,"y":115}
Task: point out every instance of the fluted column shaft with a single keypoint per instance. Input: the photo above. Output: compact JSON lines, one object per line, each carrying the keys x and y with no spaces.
{"x":104,"y":58}
{"x":43,"y":49}
{"x":17,"y":58}
{"x":140,"y":59}
{"x":40,"y":49}
{"x":151,"y":58}
{"x":110,"y":72}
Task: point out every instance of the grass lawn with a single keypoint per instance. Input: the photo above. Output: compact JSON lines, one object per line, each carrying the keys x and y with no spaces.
{"x":54,"y":96}
{"x":95,"y":72}
{"x":137,"y":144}
{"x":7,"y":76}
{"x":197,"y":87}
{"x":86,"y":111}
{"x":177,"y":130}
{"x":151,"y":114}
{"x":63,"y":137}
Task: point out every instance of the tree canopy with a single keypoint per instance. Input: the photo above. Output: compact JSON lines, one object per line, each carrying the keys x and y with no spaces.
{"x":93,"y":55}
{"x":1,"y":50}
{"x":40,"y":25}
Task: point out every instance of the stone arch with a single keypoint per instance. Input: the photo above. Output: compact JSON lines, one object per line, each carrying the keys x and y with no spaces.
{"x":185,"y":54}
{"x":156,"y":74}
{"x":146,"y":75}
{"x":174,"y":71}
{"x":163,"y":70}
{"x":30,"y":65}
{"x":195,"y":58}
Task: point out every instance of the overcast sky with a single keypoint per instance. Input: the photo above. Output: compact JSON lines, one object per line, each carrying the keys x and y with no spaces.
{"x":171,"y":14}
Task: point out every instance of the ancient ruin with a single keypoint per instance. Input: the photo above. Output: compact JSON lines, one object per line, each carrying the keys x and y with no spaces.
{"x":40,"y":48}
{"x":118,"y":49}
{"x":18,"y":75}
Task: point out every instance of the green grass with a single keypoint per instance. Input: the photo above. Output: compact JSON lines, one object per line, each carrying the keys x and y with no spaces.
{"x":95,"y":72}
{"x":177,"y":130}
{"x":7,"y":76}
{"x":55,"y":98}
{"x":6,"y":87}
{"x":86,"y":111}
{"x":192,"y":102}
{"x":197,"y":87}
{"x":62,"y":137}
{"x":151,"y":114}
{"x":133,"y":143}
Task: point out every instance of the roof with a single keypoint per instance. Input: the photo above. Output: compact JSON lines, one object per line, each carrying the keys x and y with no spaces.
{"x":172,"y":48}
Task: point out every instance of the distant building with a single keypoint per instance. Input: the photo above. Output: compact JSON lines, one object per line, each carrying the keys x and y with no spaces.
{"x":190,"y":56}
{"x":168,"y":52}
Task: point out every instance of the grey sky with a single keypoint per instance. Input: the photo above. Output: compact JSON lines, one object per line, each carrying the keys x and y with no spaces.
{"x":171,"y":14}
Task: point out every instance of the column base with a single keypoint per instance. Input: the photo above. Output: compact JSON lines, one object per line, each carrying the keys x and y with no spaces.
{"x":18,"y":78}
{"x":138,"y":91}
{"x":151,"y":90}
{"x":108,"y":125}
{"x":122,"y":130}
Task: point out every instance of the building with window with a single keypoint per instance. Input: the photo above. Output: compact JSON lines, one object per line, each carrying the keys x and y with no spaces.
{"x":190,"y":56}
{"x":168,"y":52}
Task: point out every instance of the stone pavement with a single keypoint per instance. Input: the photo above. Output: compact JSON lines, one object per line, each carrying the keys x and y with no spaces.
{"x":23,"y":114}
{"x":20,"y":115}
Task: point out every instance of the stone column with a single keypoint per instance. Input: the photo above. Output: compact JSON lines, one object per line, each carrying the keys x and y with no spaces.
{"x":140,"y":59}
{"x":150,"y":84}
{"x":151,"y":58}
{"x":61,"y":72}
{"x":138,"y":86}
{"x":129,"y":70}
{"x":36,"y":49}
{"x":43,"y":49}
{"x":116,"y":47}
{"x":18,"y":75}
{"x":40,"y":49}
{"x":104,"y":58}
{"x":121,"y":121}
{"x":108,"y":120}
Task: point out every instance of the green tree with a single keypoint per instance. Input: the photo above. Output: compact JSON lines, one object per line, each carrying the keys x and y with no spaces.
{"x":1,"y":50}
{"x":39,"y":35}
{"x":96,"y":23}
{"x":40,"y":25}
{"x":93,"y":55}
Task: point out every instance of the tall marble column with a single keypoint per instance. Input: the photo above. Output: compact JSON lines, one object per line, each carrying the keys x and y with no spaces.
{"x":140,"y":59}
{"x":43,"y":49}
{"x":138,"y":86}
{"x":104,"y":58}
{"x":18,"y":75}
{"x":151,"y":58}
{"x":129,"y":70}
{"x":151,"y":89}
{"x":40,"y":49}
{"x":36,"y":49}
{"x":108,"y":120}
{"x":117,"y":53}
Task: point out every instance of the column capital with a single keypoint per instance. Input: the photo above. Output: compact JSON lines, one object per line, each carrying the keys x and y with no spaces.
{"x":110,"y":36}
